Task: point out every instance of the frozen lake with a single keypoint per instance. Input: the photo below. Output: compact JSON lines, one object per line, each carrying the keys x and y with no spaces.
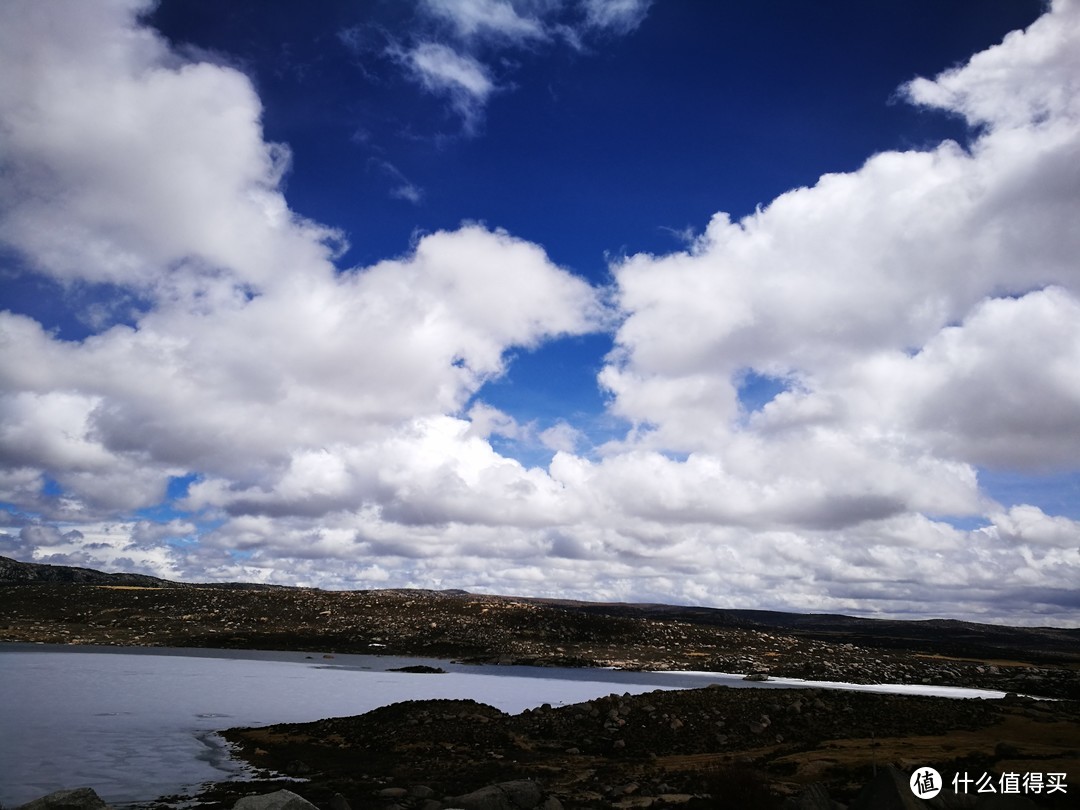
{"x":138,"y":723}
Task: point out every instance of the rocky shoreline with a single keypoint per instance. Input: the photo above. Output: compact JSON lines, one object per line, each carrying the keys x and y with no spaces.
{"x":718,"y":747}
{"x":662,"y":748}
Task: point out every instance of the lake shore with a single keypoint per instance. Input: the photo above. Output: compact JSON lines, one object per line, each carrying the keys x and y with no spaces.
{"x":692,"y":748}
{"x":508,"y":630}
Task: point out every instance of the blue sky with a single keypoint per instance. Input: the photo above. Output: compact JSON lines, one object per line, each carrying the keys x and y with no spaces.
{"x":765,"y":304}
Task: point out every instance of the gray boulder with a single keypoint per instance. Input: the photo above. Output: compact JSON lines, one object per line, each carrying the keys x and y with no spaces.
{"x":278,"y":800}
{"x":518,"y":795}
{"x":77,"y":799}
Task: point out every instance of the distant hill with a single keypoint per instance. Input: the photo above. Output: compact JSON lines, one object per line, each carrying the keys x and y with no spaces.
{"x":944,"y":636}
{"x":13,"y":572}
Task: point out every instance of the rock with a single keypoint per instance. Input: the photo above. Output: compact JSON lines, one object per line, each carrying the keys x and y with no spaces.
{"x":889,"y":790}
{"x":756,"y":676}
{"x":392,"y":793}
{"x":339,"y":802}
{"x":815,"y":797}
{"x":517,"y":795}
{"x":420,"y":669}
{"x":77,"y":799}
{"x":297,"y":768}
{"x":278,"y":800}
{"x":421,"y":792}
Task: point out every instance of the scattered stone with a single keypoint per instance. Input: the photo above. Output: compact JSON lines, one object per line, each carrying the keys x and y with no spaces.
{"x":278,"y":800}
{"x":997,"y":802}
{"x":76,"y":799}
{"x":815,"y":797}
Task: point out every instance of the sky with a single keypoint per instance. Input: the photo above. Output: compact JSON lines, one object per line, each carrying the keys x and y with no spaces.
{"x":743,"y":304}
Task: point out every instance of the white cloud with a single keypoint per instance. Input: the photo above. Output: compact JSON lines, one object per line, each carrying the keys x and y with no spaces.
{"x":463,"y":80}
{"x":486,"y":421}
{"x":561,"y":436}
{"x":486,"y":18}
{"x":616,"y":16}
{"x":833,"y":286}
{"x":1031,"y":526}
{"x":999,"y":390}
{"x":455,"y":60}
{"x":122,"y":165}
{"x":404,"y":189}
{"x":523,"y":21}
{"x":1032,"y":78}
{"x":315,"y":361}
{"x":923,"y":311}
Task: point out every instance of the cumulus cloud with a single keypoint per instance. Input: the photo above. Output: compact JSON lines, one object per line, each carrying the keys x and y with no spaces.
{"x":314,"y":361}
{"x":1033,"y":78}
{"x":921,"y":312}
{"x":919,"y":317}
{"x":247,"y":360}
{"x":122,"y":165}
{"x":879,"y":291}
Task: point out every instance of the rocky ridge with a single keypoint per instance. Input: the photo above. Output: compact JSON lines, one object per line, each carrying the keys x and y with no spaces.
{"x":507,"y":630}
